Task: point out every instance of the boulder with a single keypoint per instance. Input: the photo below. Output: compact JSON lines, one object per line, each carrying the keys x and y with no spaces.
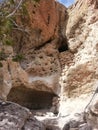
{"x":16,"y":117}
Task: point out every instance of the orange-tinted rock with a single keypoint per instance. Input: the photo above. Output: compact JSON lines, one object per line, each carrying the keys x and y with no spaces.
{"x":40,"y":32}
{"x":43,"y":22}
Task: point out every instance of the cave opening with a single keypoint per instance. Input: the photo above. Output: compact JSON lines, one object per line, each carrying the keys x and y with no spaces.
{"x":34,"y":100}
{"x":63,"y":47}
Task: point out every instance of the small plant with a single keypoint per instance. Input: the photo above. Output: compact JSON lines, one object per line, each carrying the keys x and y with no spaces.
{"x":36,"y":0}
{"x":5,"y":30}
{"x":2,"y":55}
{"x":8,"y":25}
{"x":1,"y":65}
{"x":24,"y":9}
{"x":18,"y":58}
{"x":5,"y":26}
{"x":12,"y":2}
{"x":8,"y":41}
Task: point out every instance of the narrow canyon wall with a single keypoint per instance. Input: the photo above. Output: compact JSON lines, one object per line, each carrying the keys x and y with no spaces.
{"x":32,"y":63}
{"x":58,"y":48}
{"x":79,"y":78}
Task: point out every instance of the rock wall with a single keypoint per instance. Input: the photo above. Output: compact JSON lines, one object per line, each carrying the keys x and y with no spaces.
{"x":41,"y":54}
{"x":54,"y":60}
{"x":79,"y":77}
{"x":15,"y":117}
{"x":32,"y":63}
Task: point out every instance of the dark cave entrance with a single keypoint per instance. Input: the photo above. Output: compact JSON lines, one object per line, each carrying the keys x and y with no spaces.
{"x":63,"y":48}
{"x":34,"y":100}
{"x":63,"y":45}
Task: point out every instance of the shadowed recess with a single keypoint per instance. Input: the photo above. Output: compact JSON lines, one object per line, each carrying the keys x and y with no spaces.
{"x":63,"y":48}
{"x":30,"y":98}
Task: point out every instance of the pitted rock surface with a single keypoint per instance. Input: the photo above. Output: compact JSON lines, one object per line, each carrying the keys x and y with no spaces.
{"x":16,"y":117}
{"x":59,"y":69}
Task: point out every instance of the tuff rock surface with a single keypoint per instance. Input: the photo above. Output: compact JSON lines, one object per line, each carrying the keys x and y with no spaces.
{"x":79,"y":76}
{"x":16,"y":117}
{"x":43,"y":34}
{"x":59,"y":71}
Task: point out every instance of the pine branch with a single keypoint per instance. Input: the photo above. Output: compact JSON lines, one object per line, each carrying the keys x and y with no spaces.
{"x":11,"y":14}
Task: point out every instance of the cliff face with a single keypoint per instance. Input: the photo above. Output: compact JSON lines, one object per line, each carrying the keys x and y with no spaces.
{"x":33,"y":61}
{"x":53,"y":63}
{"x":80,"y":72}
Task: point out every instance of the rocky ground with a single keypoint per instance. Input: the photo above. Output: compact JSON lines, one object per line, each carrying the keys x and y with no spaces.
{"x":16,"y":117}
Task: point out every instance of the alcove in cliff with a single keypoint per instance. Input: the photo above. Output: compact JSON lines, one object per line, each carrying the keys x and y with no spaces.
{"x":63,"y":47}
{"x":34,"y":100}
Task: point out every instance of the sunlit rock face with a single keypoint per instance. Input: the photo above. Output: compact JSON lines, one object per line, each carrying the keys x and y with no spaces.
{"x":92,"y":115}
{"x":38,"y":39}
{"x":59,"y":69}
{"x":80,"y":65}
{"x":14,"y":116}
{"x":40,"y":47}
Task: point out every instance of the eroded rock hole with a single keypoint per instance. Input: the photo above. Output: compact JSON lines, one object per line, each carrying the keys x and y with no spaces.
{"x":33,"y":12}
{"x":34,"y":100}
{"x":49,"y":128}
{"x":48,"y":19}
{"x":63,"y":47}
{"x":62,"y":44}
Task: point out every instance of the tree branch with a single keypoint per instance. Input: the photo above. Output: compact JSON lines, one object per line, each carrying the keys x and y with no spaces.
{"x":11,"y":14}
{"x":20,"y":28}
{"x":23,"y":30}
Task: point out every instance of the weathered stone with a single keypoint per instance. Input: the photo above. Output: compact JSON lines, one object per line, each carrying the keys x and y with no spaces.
{"x":92,"y":115}
{"x":80,"y":72}
{"x":85,"y":127}
{"x":15,"y":117}
{"x":45,"y":21}
{"x":54,"y":66}
{"x":33,"y":124}
{"x":43,"y":25}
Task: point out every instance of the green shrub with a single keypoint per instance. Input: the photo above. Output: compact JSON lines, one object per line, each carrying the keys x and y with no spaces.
{"x":5,"y":26}
{"x":12,"y":2}
{"x":8,"y":41}
{"x":24,"y":9}
{"x":2,"y":55}
{"x":36,"y":0}
{"x":18,"y":58}
{"x":5,"y":31}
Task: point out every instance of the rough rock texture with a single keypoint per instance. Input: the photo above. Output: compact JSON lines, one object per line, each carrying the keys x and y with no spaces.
{"x":92,"y":115}
{"x":43,"y":22}
{"x":59,"y":66}
{"x":15,"y":117}
{"x":80,"y":71}
{"x":38,"y":34}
